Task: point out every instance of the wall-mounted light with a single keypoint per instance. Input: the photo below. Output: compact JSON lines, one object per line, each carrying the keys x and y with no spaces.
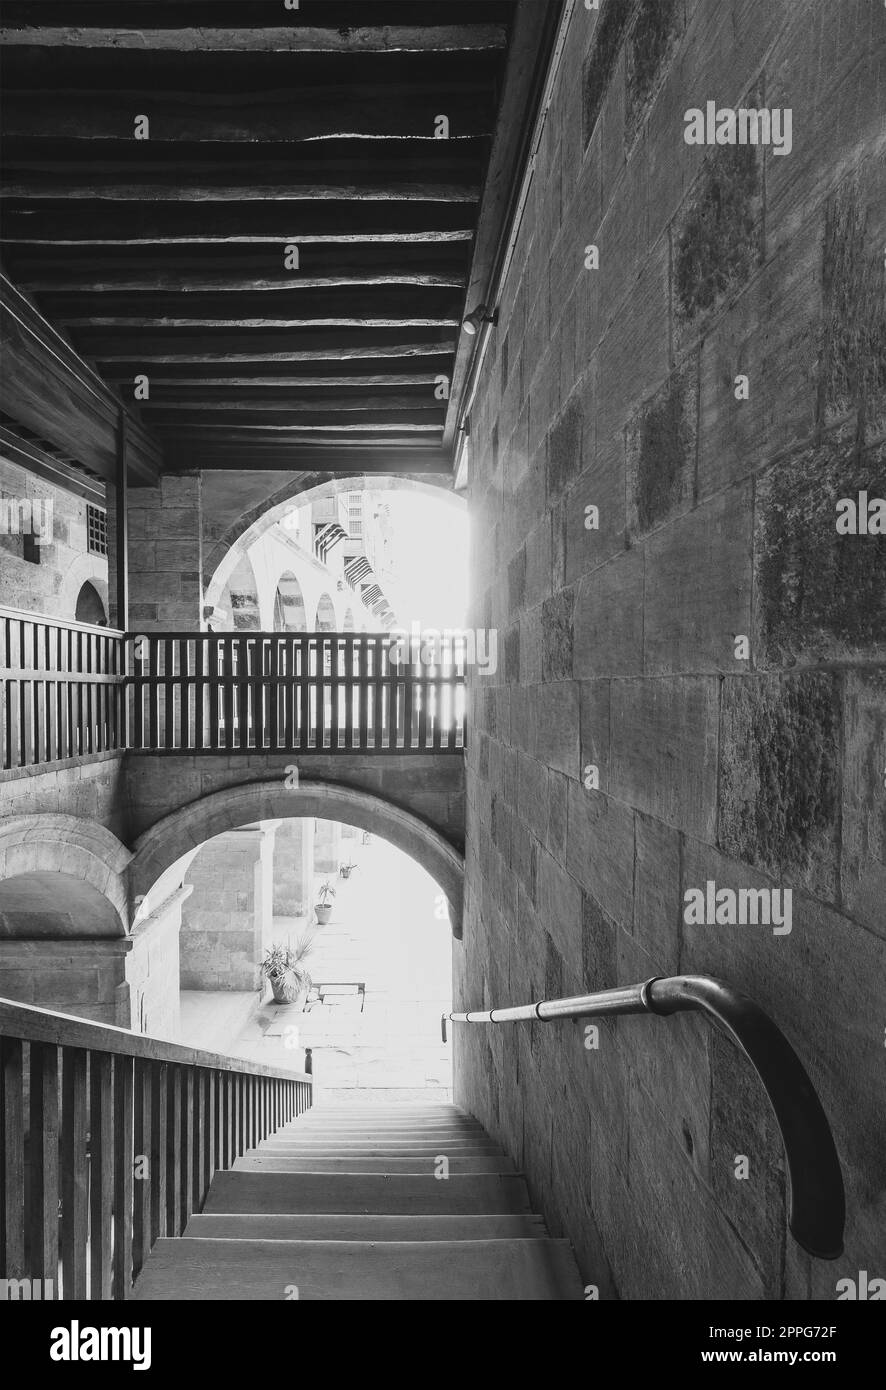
{"x":473,"y":322}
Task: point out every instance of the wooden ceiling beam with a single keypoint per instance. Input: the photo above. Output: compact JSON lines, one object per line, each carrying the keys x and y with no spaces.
{"x":88,"y":186}
{"x":221,"y":224}
{"x":317,"y":346}
{"x":302,"y":403}
{"x":304,"y":115}
{"x":295,"y":38}
{"x":159,"y":282}
{"x":214,"y":378}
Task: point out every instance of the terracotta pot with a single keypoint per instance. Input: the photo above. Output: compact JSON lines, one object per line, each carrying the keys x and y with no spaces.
{"x":289,"y":991}
{"x":323,"y":913}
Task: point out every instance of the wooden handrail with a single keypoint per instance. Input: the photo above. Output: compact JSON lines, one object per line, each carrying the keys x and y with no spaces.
{"x":32,"y":1024}
{"x":110,"y":1140}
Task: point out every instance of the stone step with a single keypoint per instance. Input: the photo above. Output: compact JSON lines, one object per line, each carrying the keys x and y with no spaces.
{"x":333,"y":1150}
{"x":429,"y":1133}
{"x":282,"y":1226}
{"x":404,"y":1194}
{"x":191,"y":1268}
{"x":255,"y":1161}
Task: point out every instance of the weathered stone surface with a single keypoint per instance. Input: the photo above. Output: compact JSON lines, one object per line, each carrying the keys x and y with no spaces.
{"x":863,"y":811}
{"x":779,"y":759}
{"x":820,"y":595}
{"x":608,"y":619}
{"x":663,"y":748}
{"x":698,"y":589}
{"x":661,"y":445}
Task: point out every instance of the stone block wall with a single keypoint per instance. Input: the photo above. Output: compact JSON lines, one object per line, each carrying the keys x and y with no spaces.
{"x":165,"y":556}
{"x":45,"y":577}
{"x":153,"y":969}
{"x":226,"y":921}
{"x":83,"y":978}
{"x":695,"y":659}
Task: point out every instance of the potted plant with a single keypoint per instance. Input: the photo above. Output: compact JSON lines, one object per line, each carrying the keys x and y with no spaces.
{"x":323,"y":905}
{"x":347,"y":869}
{"x":284,"y":967}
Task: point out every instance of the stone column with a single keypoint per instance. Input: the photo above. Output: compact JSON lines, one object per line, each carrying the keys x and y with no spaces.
{"x":227,"y":920}
{"x":327,"y":848}
{"x":293,"y":868}
{"x":165,"y":556}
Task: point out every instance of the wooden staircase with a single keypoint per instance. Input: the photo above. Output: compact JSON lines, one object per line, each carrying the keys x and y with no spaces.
{"x":353,"y":1204}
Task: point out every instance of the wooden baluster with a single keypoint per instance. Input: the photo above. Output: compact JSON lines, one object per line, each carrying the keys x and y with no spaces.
{"x":273,"y":697}
{"x":44,"y":1141}
{"x":173,"y":1151}
{"x":304,"y":708}
{"x":199,"y":691}
{"x":209,"y":1142}
{"x":377,"y":694}
{"x":143,"y":1176}
{"x":123,"y":1194}
{"x":101,"y":1176}
{"x":335,"y":656}
{"x":199,"y":1136}
{"x":159,"y":1149}
{"x":12,"y":1160}
{"x":75,"y":1172}
{"x":153,"y":648}
{"x":187,"y":1145}
{"x":230,"y":649}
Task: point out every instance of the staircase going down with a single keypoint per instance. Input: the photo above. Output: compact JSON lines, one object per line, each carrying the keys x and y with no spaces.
{"x":352,"y":1203}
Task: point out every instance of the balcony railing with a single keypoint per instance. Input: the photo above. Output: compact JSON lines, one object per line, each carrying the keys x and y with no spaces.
{"x":324,"y":692}
{"x":68,"y":690}
{"x":61,"y":689}
{"x":110,"y":1140}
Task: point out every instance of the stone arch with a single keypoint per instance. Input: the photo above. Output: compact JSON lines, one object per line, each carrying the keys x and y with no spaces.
{"x":163,"y":844}
{"x":66,"y":872}
{"x":89,"y":607}
{"x":325,"y":620}
{"x":222,"y":559}
{"x":290,"y":614}
{"x":240,"y":602}
{"x":83,"y":569}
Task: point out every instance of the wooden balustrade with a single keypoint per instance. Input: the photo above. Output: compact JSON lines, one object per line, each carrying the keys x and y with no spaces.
{"x":294,"y":693}
{"x":68,"y":690}
{"x":61,"y":689}
{"x":109,"y":1140}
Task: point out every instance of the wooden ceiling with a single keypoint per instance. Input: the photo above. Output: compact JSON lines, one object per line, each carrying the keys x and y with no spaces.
{"x":171,"y":257}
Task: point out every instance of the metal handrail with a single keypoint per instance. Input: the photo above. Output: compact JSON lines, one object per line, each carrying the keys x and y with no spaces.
{"x":817,"y":1208}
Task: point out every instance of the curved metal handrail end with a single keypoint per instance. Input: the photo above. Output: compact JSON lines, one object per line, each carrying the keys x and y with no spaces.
{"x":817,"y":1212}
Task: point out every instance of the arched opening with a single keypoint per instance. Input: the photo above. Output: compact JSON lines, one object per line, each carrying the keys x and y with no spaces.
{"x":365,"y":917}
{"x":89,"y":607}
{"x":162,"y":845}
{"x":238,"y":609}
{"x":326,"y":619}
{"x":64,"y":917}
{"x":289,"y":605}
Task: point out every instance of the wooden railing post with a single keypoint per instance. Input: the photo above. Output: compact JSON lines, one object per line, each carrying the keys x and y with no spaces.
{"x":131,"y":1129}
{"x":75,"y":1172}
{"x":101,"y":1177}
{"x":159,"y":1148}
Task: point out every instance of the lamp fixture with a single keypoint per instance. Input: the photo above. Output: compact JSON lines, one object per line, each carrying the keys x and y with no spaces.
{"x":473,"y":322}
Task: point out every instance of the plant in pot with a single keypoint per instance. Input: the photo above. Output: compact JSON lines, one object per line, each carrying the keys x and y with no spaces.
{"x":347,"y":869}
{"x":284,"y":968}
{"x":323,"y":905}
